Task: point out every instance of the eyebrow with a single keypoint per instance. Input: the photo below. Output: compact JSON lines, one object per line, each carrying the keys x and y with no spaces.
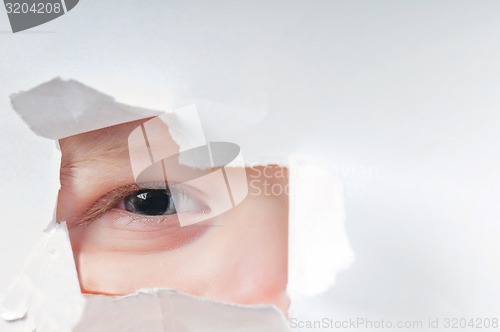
{"x":80,"y":150}
{"x":109,"y":142}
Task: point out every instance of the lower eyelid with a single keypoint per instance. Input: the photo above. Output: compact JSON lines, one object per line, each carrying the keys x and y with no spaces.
{"x":125,"y":220}
{"x":116,"y":231}
{"x":131,"y":221}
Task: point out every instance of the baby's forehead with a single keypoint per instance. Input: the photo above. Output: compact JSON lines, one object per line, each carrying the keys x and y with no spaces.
{"x":110,"y":143}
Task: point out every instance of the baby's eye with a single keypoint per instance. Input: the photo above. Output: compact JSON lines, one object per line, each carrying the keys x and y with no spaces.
{"x":178,"y":201}
{"x":150,"y":202}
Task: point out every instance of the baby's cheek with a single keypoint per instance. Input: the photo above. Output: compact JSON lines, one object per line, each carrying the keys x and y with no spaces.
{"x":253,"y":280}
{"x":225,"y":265}
{"x":250,"y":262}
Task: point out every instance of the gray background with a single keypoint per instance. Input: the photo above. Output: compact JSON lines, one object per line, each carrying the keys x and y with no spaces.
{"x":407,"y":87}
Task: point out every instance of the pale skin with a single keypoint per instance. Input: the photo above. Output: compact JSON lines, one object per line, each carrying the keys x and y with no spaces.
{"x":239,"y":256}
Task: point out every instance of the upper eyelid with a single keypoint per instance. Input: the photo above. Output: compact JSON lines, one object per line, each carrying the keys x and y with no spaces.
{"x":106,"y":202}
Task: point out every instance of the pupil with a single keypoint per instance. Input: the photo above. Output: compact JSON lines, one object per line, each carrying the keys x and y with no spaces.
{"x":151,"y":202}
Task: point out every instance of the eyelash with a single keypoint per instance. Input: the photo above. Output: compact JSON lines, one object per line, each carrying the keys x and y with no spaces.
{"x":127,"y":219}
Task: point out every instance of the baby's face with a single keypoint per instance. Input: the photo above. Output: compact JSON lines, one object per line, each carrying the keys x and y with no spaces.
{"x":127,"y":236}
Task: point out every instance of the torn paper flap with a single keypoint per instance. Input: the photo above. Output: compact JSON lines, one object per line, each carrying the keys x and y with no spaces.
{"x":316,"y":228}
{"x":165,"y":310}
{"x":46,"y":297}
{"x":71,"y":108}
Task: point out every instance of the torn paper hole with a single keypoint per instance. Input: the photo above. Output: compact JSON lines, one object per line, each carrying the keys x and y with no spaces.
{"x":82,"y":109}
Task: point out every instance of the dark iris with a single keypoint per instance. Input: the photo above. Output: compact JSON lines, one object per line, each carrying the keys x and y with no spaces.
{"x":150,"y":202}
